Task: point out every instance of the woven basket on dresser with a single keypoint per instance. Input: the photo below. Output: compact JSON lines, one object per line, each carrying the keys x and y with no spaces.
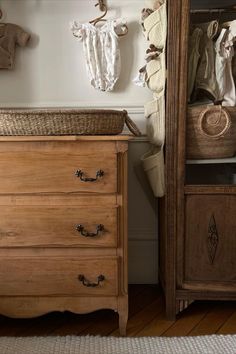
{"x":211,"y":132}
{"x":64,"y":122}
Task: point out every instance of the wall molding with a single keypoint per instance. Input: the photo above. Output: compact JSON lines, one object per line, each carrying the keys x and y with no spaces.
{"x":132,"y":108}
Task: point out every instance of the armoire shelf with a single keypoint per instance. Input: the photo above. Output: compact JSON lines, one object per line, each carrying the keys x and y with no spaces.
{"x":197,"y":229}
{"x":211,"y":161}
{"x":209,"y":189}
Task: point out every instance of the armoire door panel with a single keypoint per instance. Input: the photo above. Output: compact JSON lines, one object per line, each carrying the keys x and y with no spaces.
{"x":210,"y":242}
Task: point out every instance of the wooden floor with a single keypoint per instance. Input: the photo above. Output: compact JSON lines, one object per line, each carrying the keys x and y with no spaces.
{"x":146,"y":318}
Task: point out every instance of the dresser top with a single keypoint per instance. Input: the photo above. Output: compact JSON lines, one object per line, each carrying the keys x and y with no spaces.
{"x":120,"y":137}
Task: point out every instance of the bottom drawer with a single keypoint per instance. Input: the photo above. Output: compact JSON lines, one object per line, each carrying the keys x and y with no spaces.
{"x":58,"y":276}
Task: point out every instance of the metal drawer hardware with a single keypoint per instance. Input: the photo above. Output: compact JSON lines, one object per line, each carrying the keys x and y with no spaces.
{"x":87,"y":283}
{"x":80,"y":174}
{"x":83,"y":232}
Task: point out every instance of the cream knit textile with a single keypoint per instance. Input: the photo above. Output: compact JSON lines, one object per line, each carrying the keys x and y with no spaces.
{"x":154,"y":112}
{"x":156,"y":27}
{"x":155,"y":30}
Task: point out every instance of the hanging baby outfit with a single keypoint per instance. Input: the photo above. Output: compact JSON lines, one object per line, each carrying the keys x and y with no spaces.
{"x":215,"y":77}
{"x":101,"y":50}
{"x":206,"y":76}
{"x":234,"y":64}
{"x":10,"y":36}
{"x":224,"y":74}
{"x":194,"y":56}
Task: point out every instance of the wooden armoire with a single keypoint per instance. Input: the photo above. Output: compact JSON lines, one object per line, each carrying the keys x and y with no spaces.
{"x":196,"y":214}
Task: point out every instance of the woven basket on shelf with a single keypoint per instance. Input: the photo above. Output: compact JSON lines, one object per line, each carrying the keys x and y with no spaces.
{"x":64,"y":122}
{"x":211,"y":132}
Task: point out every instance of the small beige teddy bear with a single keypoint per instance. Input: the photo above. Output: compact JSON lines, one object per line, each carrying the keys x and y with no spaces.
{"x":154,"y":4}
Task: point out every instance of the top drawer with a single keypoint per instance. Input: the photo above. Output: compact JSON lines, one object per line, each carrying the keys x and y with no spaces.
{"x":55,"y":167}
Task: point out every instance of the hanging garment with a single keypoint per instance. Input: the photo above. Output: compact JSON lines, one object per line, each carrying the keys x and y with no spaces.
{"x":194,"y":56}
{"x":221,"y":63}
{"x":224,"y":74}
{"x":101,"y":50}
{"x":10,"y":36}
{"x":234,"y":64}
{"x":206,"y":76}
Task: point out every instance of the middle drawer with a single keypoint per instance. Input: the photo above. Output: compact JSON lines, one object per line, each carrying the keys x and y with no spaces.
{"x":23,"y":226}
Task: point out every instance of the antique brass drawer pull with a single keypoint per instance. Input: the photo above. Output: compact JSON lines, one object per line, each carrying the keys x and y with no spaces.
{"x":83,"y":232}
{"x":80,"y":174}
{"x":87,"y":283}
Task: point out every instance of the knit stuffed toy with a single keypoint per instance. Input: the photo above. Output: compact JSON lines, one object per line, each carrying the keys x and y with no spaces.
{"x":154,"y":4}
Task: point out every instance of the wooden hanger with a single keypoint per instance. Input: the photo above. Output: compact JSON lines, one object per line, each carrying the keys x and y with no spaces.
{"x":103,"y":7}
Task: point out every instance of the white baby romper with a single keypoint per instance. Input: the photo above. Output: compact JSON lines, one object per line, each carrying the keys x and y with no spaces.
{"x":220,"y":63}
{"x":224,"y":55}
{"x":101,"y":50}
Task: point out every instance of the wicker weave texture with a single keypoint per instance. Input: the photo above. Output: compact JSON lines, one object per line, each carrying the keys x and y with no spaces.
{"x":61,"y":122}
{"x":211,"y":132}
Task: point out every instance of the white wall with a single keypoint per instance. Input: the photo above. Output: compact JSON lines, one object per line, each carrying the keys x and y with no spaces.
{"x":50,"y":72}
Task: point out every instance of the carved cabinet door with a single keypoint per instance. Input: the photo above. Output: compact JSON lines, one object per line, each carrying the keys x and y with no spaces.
{"x":209,"y":246}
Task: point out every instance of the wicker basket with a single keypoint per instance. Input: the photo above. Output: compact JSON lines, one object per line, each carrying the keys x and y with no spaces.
{"x":211,"y":132}
{"x":64,"y":122}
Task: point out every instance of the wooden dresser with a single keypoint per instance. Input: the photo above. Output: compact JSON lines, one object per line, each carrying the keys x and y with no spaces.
{"x":63,"y":225}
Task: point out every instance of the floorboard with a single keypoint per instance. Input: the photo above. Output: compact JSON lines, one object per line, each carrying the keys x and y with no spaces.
{"x":146,"y":318}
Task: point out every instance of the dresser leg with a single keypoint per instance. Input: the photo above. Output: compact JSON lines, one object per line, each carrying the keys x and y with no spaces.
{"x":123,"y":314}
{"x":123,"y":318}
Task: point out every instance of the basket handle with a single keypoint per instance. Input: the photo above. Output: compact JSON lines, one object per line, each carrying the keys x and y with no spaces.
{"x":227,"y":124}
{"x":131,"y":125}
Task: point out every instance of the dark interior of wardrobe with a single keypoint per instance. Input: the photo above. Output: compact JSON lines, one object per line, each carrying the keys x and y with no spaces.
{"x":210,"y":171}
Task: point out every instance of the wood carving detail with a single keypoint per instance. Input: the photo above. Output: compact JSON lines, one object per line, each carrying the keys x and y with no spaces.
{"x":213,"y":239}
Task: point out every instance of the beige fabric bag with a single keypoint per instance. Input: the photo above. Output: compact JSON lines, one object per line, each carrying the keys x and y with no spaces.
{"x":156,"y":74}
{"x":155,"y":26}
{"x":155,"y":114}
{"x":153,"y":165}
